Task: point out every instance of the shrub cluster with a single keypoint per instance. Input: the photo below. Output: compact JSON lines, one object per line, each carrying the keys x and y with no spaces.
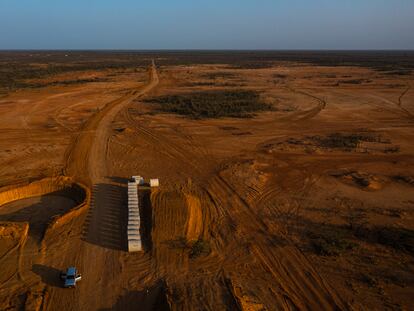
{"x":395,"y":237}
{"x":330,"y":242}
{"x":346,"y":141}
{"x":200,"y":247}
{"x":212,"y":104}
{"x":18,"y":67}
{"x":218,"y":74}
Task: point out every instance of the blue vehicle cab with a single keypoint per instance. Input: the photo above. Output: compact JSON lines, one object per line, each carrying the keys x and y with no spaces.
{"x":70,"y":277}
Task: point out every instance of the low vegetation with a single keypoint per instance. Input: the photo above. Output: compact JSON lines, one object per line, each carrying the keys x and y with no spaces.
{"x":199,"y":248}
{"x":199,"y":83}
{"x":345,"y":141}
{"x":212,"y":104}
{"x":398,"y":238}
{"x":218,"y":75}
{"x":404,"y":178}
{"x":59,"y":83}
{"x":259,"y":64}
{"x":280,"y":76}
{"x":369,"y":280}
{"x":399,"y":73}
{"x":354,"y":81}
{"x":18,"y":68}
{"x":330,"y":242}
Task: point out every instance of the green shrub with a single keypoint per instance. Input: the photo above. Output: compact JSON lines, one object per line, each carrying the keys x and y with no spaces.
{"x":200,"y":247}
{"x":353,"y":81}
{"x":346,"y":141}
{"x":369,"y":280}
{"x":398,"y":238}
{"x":218,"y":74}
{"x":330,"y":243}
{"x":212,"y":104}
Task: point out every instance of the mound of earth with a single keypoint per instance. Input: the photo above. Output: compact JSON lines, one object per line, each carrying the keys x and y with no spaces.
{"x":405,"y":179}
{"x":361,"y":180}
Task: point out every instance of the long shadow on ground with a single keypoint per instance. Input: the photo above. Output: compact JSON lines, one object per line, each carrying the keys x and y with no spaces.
{"x":146,"y":217}
{"x":150,"y":299}
{"x":38,"y":211}
{"x":106,"y":222}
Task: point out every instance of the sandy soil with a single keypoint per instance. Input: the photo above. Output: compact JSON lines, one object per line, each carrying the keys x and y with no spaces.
{"x":289,"y":221}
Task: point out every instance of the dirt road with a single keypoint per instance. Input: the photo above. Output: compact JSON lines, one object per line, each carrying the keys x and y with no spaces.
{"x":100,"y":252}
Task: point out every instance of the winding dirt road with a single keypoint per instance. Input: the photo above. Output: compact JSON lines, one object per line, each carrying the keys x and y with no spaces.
{"x":99,"y":250}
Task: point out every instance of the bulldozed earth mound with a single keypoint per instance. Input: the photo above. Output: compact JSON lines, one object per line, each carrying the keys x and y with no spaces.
{"x":361,"y":180}
{"x":194,"y":223}
{"x":36,"y":188}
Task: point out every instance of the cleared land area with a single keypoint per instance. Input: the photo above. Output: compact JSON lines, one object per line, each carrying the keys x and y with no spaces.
{"x":287,"y":180}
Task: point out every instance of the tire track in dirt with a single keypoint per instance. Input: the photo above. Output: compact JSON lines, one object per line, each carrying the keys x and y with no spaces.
{"x":182,"y":152}
{"x":169,"y":226}
{"x":77,"y":154}
{"x":179,"y":219}
{"x":398,"y":104}
{"x":165,"y":146}
{"x":62,"y":111}
{"x":307,"y":114}
{"x":293,"y":276}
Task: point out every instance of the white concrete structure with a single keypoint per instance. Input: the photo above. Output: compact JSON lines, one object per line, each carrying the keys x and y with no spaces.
{"x":134,"y":245}
{"x":139,"y":180}
{"x":154,"y":182}
{"x":134,"y":220}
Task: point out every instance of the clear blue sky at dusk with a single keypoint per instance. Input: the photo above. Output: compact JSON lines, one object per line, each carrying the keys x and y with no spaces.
{"x":213,"y":24}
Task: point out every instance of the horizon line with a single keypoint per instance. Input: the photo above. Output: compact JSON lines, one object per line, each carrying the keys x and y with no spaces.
{"x":208,"y":50}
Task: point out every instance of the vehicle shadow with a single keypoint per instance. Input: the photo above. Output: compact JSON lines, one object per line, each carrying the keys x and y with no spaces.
{"x":49,"y":275}
{"x":106,"y":222}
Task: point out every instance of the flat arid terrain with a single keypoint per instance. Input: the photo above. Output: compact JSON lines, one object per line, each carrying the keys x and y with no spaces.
{"x":286,"y":180}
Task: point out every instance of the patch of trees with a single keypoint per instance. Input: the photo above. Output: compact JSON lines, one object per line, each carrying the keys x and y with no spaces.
{"x":345,"y":140}
{"x":212,"y":104}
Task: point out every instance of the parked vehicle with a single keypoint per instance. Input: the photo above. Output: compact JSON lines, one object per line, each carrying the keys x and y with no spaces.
{"x":70,"y":277}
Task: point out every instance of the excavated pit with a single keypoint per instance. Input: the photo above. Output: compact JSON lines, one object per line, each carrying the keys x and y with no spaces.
{"x":43,"y":204}
{"x":38,"y":212}
{"x":29,"y":212}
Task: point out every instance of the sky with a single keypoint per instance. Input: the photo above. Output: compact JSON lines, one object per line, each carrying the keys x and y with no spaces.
{"x":212,"y":24}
